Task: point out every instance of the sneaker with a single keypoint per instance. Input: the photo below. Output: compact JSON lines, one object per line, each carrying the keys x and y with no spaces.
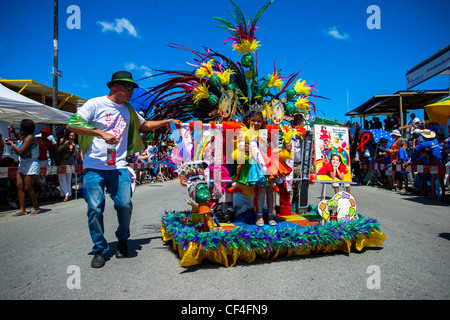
{"x":122,"y":249}
{"x":98,"y":261}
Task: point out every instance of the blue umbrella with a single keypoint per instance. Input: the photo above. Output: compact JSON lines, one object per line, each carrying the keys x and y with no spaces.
{"x":378,"y":134}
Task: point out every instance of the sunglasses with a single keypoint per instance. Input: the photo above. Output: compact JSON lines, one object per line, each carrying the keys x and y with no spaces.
{"x":127,"y":85}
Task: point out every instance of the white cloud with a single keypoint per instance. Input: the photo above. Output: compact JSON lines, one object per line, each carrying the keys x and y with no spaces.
{"x":334,"y":32}
{"x":119,"y":26}
{"x":146,"y":71}
{"x":82,"y":84}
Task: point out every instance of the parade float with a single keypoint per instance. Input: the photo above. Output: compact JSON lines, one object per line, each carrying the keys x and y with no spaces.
{"x":212,"y":101}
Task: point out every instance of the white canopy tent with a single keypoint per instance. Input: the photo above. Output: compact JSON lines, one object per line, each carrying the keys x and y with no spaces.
{"x":15,"y":107}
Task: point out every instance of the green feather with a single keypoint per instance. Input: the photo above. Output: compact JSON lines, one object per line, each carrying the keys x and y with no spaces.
{"x":239,"y":16}
{"x":227,"y":24}
{"x":261,"y":11}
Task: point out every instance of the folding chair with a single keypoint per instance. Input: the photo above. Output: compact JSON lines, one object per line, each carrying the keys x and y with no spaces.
{"x":161,"y":176}
{"x":51,"y":187}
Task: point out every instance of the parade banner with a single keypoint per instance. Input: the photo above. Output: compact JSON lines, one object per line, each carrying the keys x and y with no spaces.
{"x":332,"y":154}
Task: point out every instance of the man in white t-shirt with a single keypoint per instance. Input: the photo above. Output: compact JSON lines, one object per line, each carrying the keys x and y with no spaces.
{"x":108,"y":129}
{"x":413,"y":122}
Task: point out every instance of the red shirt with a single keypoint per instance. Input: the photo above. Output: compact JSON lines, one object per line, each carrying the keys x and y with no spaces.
{"x":44,"y":145}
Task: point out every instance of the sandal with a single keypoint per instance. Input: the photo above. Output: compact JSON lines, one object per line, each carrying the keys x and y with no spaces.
{"x":19,"y":213}
{"x":35,"y":211}
{"x":272,"y":221}
{"x":259,"y":216}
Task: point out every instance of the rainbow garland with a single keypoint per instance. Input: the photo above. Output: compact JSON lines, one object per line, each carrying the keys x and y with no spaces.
{"x":245,"y":241}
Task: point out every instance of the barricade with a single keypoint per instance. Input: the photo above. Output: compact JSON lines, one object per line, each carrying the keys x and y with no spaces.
{"x":412,"y":168}
{"x":11,"y":172}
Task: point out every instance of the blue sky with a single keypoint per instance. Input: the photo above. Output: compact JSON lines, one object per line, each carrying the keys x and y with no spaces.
{"x":329,"y":39}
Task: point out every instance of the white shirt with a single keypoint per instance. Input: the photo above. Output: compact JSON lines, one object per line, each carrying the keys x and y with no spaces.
{"x":110,"y":117}
{"x":151,"y":150}
{"x":414,"y":121}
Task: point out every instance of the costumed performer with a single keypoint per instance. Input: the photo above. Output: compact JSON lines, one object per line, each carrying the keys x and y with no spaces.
{"x":252,"y":172}
{"x":261,"y":169}
{"x":264,"y":190}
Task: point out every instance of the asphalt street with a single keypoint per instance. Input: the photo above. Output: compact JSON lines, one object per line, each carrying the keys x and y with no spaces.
{"x":48,"y":256}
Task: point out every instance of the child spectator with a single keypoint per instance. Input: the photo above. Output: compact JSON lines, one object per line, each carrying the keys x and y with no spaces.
{"x":402,"y":159}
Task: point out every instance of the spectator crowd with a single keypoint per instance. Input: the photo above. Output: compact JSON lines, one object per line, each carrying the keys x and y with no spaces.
{"x":416,"y":143}
{"x":152,"y":159}
{"x":62,"y":148}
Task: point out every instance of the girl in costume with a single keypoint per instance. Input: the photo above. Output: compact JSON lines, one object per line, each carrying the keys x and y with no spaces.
{"x":250,"y":173}
{"x":256,"y":171}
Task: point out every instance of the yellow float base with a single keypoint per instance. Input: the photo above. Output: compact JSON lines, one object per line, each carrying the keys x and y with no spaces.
{"x":195,"y":253}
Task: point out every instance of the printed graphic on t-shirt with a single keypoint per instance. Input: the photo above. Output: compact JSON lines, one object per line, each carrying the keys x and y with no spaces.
{"x":114,"y":124}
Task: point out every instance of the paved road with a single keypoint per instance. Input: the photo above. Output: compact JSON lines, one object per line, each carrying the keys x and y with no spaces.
{"x":36,"y":253}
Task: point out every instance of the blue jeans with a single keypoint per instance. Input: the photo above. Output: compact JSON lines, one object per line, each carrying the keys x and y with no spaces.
{"x":118,"y":185}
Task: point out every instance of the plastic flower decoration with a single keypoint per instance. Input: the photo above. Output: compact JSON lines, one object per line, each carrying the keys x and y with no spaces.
{"x":242,"y":33}
{"x":200,"y":92}
{"x":205,"y":70}
{"x":275,"y":81}
{"x":288,"y":134}
{"x":246,"y":45}
{"x":225,"y":76}
{"x":303,"y":105}
{"x":301,"y":88}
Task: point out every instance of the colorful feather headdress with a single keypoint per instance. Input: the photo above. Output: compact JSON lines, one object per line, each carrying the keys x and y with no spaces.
{"x":220,"y":89}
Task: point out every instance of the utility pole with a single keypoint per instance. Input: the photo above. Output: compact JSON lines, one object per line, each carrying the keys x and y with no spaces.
{"x":347,"y":105}
{"x":55,"y":54}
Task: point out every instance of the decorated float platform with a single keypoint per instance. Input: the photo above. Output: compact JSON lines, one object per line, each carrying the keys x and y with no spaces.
{"x":215,"y":103}
{"x":294,"y":235}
